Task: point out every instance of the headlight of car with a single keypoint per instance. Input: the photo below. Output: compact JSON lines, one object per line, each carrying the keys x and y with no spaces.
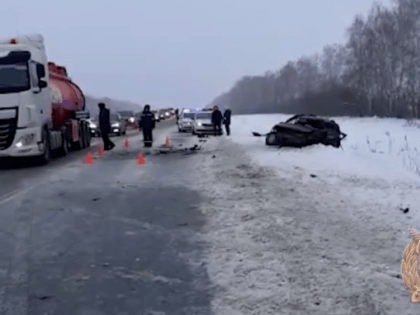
{"x":116,"y":125}
{"x":92,"y":125}
{"x":199,"y":123}
{"x":132,"y":120}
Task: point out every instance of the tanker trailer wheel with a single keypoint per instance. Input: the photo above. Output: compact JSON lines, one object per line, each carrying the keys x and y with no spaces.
{"x":46,"y":155}
{"x":79,"y":145}
{"x":64,"y":150}
{"x":88,"y":136}
{"x":84,"y":136}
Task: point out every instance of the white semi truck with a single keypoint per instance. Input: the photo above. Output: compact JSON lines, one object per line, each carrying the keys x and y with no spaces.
{"x":41,"y":109}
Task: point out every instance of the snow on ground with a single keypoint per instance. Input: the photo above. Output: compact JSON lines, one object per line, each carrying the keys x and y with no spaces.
{"x":379,"y":159}
{"x":286,"y":242}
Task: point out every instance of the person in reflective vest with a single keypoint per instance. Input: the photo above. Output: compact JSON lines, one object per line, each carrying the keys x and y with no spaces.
{"x":147,"y":124}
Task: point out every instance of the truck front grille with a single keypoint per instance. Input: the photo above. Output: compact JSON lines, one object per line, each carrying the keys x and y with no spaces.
{"x":7,"y":132}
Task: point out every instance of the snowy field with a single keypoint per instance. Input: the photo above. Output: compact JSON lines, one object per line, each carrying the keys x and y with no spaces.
{"x":317,"y":230}
{"x":379,"y":159}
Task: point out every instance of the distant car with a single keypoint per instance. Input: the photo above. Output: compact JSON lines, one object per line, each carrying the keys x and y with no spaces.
{"x":129,"y":117}
{"x":162,"y":115}
{"x":202,"y":124}
{"x":303,"y":130}
{"x":118,"y":124}
{"x":185,"y":121}
{"x":94,"y":127}
{"x":156,"y":113}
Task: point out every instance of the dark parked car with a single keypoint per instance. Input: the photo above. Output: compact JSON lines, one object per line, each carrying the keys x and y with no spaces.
{"x":303,"y":130}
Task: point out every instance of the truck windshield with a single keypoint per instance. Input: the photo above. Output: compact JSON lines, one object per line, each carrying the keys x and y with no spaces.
{"x":14,"y":77}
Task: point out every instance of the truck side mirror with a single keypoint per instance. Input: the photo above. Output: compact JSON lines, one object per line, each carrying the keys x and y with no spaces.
{"x":40,"y":70}
{"x":42,"y":84}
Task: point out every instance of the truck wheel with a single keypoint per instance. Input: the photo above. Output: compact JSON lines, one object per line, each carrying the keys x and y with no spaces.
{"x":64,"y":150}
{"x":46,"y":155}
{"x":78,"y":145}
{"x":82,"y":138}
{"x":89,"y":137}
{"x":85,"y":136}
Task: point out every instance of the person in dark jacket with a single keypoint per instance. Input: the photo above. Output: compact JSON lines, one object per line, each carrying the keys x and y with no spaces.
{"x":105,"y":126}
{"x":177,"y":115}
{"x":226,"y":120}
{"x":216,"y":120}
{"x":147,"y":124}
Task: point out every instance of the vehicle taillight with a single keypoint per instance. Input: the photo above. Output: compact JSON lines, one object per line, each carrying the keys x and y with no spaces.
{"x":13,"y":41}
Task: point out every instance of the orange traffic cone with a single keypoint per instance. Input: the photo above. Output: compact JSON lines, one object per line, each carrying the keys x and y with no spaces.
{"x":126,"y":143}
{"x":89,"y":159}
{"x":140,"y":159}
{"x":168,"y":142}
{"x":101,"y":151}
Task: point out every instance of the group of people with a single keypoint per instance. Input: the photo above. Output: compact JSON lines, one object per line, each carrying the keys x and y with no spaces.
{"x":217,"y":119}
{"x":147,"y":123}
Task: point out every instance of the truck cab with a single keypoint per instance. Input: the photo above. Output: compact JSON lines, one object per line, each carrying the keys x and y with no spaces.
{"x":25,"y":98}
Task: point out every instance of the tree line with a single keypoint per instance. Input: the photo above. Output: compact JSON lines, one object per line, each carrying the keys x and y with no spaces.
{"x":376,"y":72}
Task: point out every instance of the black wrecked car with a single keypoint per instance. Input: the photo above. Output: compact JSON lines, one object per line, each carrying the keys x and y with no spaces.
{"x":304,"y":130}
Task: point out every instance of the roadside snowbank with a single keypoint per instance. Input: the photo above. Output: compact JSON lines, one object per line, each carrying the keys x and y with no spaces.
{"x":380,"y":160}
{"x":286,"y":242}
{"x":385,"y":148}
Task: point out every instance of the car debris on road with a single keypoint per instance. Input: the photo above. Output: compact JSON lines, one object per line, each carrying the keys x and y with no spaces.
{"x":304,"y":130}
{"x":165,"y":149}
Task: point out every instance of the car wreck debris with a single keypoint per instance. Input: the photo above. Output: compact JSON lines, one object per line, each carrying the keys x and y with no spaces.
{"x":304,"y":130}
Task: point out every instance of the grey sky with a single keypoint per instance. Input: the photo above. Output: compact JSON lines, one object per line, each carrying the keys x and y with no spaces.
{"x":177,"y":52}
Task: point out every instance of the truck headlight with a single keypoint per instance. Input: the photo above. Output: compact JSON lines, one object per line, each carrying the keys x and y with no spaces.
{"x":116,"y":125}
{"x":25,"y":140}
{"x":93,"y":126}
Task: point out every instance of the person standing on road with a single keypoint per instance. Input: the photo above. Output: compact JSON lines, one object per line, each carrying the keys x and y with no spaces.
{"x":105,"y":126}
{"x":177,"y":115}
{"x":147,"y":124}
{"x":226,"y":119}
{"x":216,"y":119}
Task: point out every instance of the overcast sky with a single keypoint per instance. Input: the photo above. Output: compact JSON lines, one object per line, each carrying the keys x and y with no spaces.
{"x":177,"y":52}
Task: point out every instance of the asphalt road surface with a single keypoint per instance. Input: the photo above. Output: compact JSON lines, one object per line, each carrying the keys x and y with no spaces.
{"x":112,"y":237}
{"x":14,"y":173}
